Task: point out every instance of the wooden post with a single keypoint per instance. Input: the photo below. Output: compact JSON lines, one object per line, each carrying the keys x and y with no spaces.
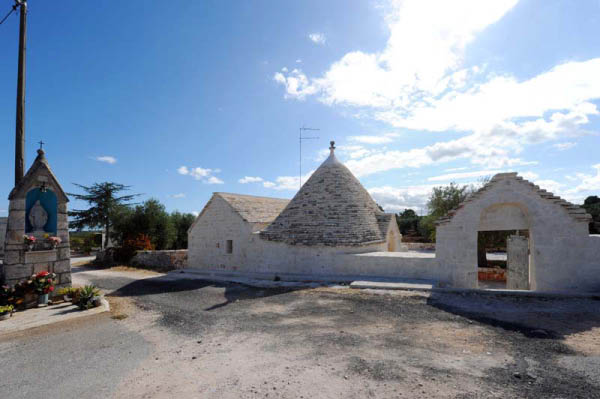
{"x":20,"y":122}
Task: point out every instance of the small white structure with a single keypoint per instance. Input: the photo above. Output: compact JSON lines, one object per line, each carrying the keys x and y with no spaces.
{"x":331,"y":216}
{"x":563,"y":256}
{"x":222,"y":236}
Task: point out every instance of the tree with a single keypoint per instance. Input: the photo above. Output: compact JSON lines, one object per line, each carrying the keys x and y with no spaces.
{"x":408,"y":221}
{"x":149,"y":218}
{"x":592,"y":206}
{"x":104,"y":201}
{"x":182,"y":223}
{"x":444,"y":199}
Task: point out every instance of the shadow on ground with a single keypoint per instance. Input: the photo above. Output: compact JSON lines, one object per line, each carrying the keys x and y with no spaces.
{"x":544,"y":318}
{"x":233,"y":292}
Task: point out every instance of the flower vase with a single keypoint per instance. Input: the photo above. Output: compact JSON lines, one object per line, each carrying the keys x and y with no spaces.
{"x":30,"y":247}
{"x":42,"y":300}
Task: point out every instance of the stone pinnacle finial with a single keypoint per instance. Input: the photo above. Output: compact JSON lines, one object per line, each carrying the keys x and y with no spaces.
{"x":332,"y":146}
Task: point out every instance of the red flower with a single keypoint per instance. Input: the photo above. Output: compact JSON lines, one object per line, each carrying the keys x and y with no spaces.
{"x":51,"y":288}
{"x":42,"y":274}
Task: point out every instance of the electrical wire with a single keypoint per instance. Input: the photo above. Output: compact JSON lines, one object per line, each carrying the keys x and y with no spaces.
{"x":14,"y":8}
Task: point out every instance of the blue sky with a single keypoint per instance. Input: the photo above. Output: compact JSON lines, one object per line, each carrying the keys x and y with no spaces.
{"x":183,"y":98}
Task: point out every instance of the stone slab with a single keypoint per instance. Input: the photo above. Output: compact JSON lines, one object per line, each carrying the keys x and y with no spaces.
{"x":37,"y":317}
{"x":40,"y":256}
{"x":379,"y":285}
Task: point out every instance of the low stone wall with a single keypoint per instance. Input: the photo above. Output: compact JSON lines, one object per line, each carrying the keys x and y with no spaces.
{"x":161,"y":261}
{"x":419,"y":246}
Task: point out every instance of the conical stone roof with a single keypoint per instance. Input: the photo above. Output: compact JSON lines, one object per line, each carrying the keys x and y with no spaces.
{"x":332,"y":208}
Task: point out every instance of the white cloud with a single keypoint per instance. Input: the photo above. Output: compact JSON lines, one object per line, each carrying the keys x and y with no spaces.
{"x":107,"y":158}
{"x":381,"y":139}
{"x":3,"y":211}
{"x":463,"y":175}
{"x":588,"y":182}
{"x":396,"y":199}
{"x":296,"y":84}
{"x":291,"y":183}
{"x":179,"y":195}
{"x":409,"y":87}
{"x":201,"y":174}
{"x":455,"y":169}
{"x":318,"y":38}
{"x":250,"y":179}
{"x":183,"y":170}
{"x":564,"y":146}
{"x":195,"y":213}
{"x":214,"y":180}
{"x":298,"y":61}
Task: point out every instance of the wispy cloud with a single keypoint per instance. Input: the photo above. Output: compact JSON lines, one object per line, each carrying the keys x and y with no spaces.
{"x":202,"y":174}
{"x":106,"y":158}
{"x":291,"y":183}
{"x":318,"y":38}
{"x":179,"y":195}
{"x":380,"y":139}
{"x":564,"y":146}
{"x":464,"y":175}
{"x":250,"y":179}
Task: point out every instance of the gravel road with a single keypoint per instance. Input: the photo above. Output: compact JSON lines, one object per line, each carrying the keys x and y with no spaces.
{"x":175,"y":337}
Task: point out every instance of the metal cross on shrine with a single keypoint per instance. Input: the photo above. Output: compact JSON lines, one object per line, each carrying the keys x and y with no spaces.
{"x":41,"y":143}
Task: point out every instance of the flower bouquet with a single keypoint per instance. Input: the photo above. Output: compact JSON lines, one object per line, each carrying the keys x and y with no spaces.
{"x":29,"y":241}
{"x":43,"y":282}
{"x":54,"y":241}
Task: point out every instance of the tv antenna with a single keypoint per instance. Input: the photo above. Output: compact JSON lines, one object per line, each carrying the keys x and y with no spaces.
{"x":300,"y":138}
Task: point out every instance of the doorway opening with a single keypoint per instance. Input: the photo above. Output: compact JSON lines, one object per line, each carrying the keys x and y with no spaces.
{"x":503,"y":259}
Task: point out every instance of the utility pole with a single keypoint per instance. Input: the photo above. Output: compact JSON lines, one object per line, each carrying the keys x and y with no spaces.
{"x":20,"y":122}
{"x":300,"y":138}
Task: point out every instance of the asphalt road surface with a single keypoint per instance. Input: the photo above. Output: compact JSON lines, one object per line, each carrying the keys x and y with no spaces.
{"x":169,"y":336}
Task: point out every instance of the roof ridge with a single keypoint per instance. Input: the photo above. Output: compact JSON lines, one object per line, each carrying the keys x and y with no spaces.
{"x":576,"y":211}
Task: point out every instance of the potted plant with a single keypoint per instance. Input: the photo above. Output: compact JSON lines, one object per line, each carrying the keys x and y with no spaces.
{"x":74,"y":294}
{"x":29,"y":241}
{"x":68,"y":293}
{"x":6,"y":311}
{"x":44,"y":285}
{"x":25,"y":295}
{"x":54,"y":241}
{"x":7,"y":295}
{"x":89,"y":297}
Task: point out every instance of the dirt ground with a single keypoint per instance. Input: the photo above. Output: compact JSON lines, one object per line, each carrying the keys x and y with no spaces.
{"x":233,"y":341}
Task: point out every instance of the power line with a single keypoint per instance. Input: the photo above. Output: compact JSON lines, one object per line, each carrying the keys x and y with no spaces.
{"x":14,"y":8}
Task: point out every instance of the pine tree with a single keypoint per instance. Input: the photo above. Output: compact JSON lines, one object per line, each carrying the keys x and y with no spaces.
{"x":103,"y":203}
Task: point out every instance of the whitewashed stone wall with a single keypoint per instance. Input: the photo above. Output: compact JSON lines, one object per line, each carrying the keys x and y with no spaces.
{"x":564,"y":257}
{"x":3,"y":225}
{"x":251,"y":254}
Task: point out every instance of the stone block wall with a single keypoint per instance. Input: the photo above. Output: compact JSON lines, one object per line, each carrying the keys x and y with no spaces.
{"x":3,"y":223}
{"x":161,"y":261}
{"x":20,"y":263}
